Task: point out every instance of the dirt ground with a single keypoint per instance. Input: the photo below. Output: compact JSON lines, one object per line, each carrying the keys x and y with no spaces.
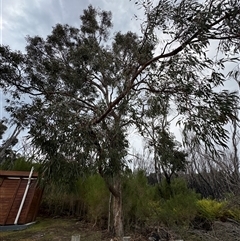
{"x":221,"y":231}
{"x":47,"y":229}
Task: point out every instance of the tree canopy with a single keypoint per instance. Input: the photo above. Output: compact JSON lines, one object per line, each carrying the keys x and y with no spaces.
{"x":78,"y":69}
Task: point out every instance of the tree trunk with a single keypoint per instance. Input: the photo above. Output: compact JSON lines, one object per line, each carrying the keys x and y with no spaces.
{"x":236,"y":165}
{"x":117,"y":212}
{"x":109,"y":212}
{"x":157,"y":167}
{"x":117,"y":216}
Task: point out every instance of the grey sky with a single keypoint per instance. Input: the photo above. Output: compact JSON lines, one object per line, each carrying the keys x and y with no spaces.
{"x":37,"y":17}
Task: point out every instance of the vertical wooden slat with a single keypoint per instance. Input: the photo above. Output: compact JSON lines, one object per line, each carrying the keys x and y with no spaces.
{"x":12,"y":201}
{"x":39,"y":193}
{"x":1,"y":180}
{"x":30,"y":196}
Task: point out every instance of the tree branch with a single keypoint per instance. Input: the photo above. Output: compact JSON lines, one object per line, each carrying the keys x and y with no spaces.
{"x":138,"y":70}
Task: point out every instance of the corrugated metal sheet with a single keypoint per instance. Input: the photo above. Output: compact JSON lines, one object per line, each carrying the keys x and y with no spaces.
{"x":12,"y":187}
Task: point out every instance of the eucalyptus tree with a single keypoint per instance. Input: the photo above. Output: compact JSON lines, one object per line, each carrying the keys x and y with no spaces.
{"x":72,"y":77}
{"x":82,"y":85}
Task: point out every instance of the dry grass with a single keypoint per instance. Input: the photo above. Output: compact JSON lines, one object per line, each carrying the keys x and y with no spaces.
{"x":47,"y":229}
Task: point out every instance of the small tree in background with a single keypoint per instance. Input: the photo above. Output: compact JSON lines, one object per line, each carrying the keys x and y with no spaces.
{"x":7,"y":154}
{"x":172,"y":159}
{"x":155,"y":128}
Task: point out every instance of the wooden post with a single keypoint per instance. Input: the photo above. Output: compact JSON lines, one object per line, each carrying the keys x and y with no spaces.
{"x":24,"y":196}
{"x":75,"y":238}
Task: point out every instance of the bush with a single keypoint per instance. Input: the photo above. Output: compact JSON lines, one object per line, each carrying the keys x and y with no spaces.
{"x":177,"y":203}
{"x":211,"y":209}
{"x":234,"y":213}
{"x":233,"y":207}
{"x":57,"y":201}
{"x":19,"y":164}
{"x":87,"y":197}
{"x":137,"y":198}
{"x":95,"y":196}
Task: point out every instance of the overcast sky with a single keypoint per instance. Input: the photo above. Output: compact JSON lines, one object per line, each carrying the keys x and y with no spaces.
{"x":37,"y":17}
{"x":20,"y":18}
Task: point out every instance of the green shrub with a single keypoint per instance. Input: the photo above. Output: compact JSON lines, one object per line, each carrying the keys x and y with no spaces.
{"x":177,"y":186}
{"x":58,"y":201}
{"x":179,"y":207}
{"x":95,"y":196}
{"x":233,"y":207}
{"x":20,"y":164}
{"x":88,"y":196}
{"x":234,"y":213}
{"x":137,"y":198}
{"x":211,"y":209}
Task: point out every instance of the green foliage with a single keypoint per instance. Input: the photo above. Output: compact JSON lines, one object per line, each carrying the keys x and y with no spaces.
{"x":84,"y":82}
{"x":168,"y":155}
{"x":58,"y":201}
{"x":211,"y":209}
{"x":7,"y":153}
{"x":19,"y":164}
{"x":203,"y":110}
{"x":233,"y":213}
{"x":172,"y":159}
{"x":137,"y":197}
{"x":232,"y":209}
{"x":88,"y":198}
{"x":179,"y":207}
{"x":3,"y":128}
{"x":142,"y":204}
{"x":95,"y":195}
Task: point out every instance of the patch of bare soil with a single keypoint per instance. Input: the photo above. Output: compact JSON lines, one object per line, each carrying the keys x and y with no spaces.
{"x":60,"y":229}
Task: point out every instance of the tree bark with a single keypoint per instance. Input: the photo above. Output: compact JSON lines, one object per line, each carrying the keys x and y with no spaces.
{"x":117,"y":209}
{"x":117,"y":216}
{"x":235,"y":142}
{"x":109,"y":212}
{"x":117,"y":212}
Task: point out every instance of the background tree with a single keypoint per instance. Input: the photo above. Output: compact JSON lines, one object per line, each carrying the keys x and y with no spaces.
{"x":211,"y":175}
{"x":6,"y":150}
{"x":172,"y":158}
{"x":155,"y":128}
